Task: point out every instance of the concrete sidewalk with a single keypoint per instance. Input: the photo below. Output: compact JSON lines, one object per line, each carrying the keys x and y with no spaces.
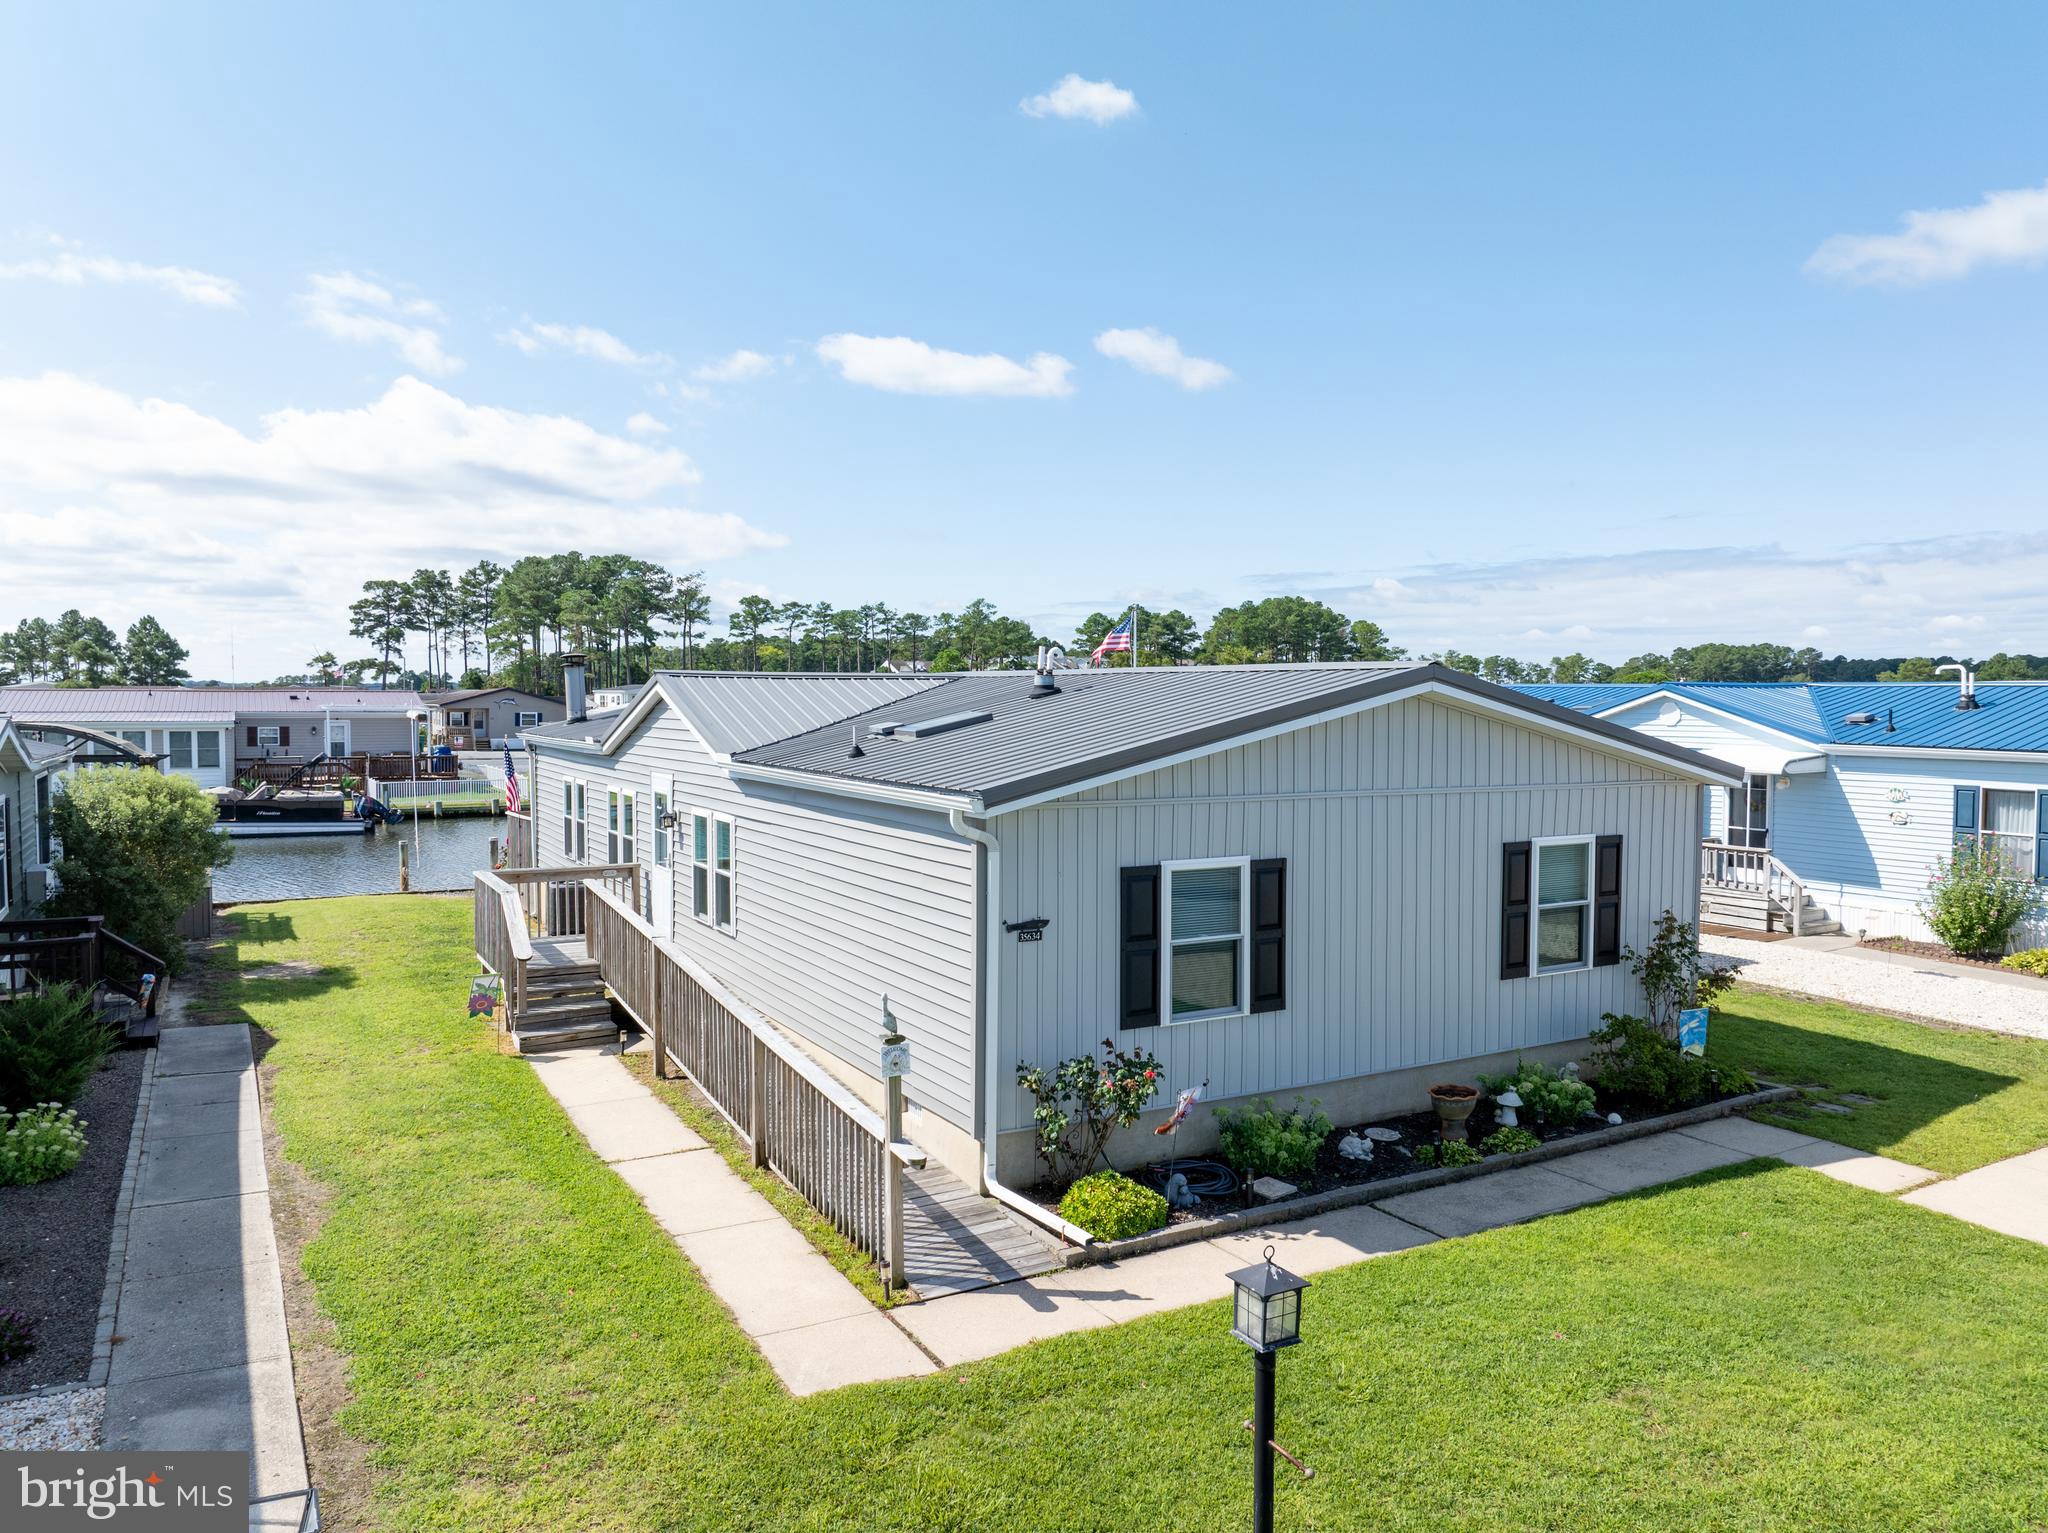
{"x":201,"y":1358}
{"x":2010,"y":1196}
{"x":816,"y":1329}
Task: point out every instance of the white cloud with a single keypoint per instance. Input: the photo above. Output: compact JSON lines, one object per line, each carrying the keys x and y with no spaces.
{"x":1150,"y":352}
{"x":742,"y":366}
{"x":1099,"y":101}
{"x":353,"y":308}
{"x":2005,"y":229}
{"x":900,"y":365}
{"x":640,"y":423}
{"x":72,"y":267}
{"x":1872,"y":599}
{"x":582,"y":341}
{"x":122,"y":504}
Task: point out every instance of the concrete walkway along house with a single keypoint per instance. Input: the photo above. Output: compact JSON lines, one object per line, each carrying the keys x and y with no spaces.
{"x":1851,"y":790}
{"x":1346,"y":881}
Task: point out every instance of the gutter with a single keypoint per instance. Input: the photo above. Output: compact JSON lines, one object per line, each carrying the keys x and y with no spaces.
{"x":991,"y":1006}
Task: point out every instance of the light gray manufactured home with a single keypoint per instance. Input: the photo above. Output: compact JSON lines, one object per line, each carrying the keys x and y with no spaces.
{"x":1345,"y":881}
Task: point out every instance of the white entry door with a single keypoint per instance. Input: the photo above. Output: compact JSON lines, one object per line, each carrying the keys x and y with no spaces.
{"x":337,"y":737}
{"x":661,"y":872}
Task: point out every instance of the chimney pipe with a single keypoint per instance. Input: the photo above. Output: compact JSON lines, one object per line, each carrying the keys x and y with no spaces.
{"x":572,"y":686}
{"x":1045,"y":686}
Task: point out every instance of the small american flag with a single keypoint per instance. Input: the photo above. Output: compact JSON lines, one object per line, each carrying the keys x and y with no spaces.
{"x":511,"y":784}
{"x":1118,"y":639}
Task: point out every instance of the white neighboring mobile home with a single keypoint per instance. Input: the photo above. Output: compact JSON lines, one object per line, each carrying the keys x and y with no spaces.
{"x":1346,"y":881}
{"x":204,"y":732}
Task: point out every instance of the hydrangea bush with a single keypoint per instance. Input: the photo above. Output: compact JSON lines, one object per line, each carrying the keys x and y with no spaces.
{"x":38,"y":1143}
{"x":1975,"y":900}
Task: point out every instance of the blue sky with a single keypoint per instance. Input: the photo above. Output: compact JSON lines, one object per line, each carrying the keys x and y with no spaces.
{"x":1533,"y":329}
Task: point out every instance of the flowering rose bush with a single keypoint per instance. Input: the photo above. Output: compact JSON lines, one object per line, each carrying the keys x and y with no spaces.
{"x":1082,"y":1101}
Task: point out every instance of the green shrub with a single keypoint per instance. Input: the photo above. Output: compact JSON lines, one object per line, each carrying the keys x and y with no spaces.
{"x":139,"y":847}
{"x":1637,"y":1063}
{"x":2033,"y":960}
{"x":1509,"y":1141}
{"x":17,"y":1335}
{"x":45,"y":1141}
{"x":1975,"y":900}
{"x":50,"y":1044}
{"x":1110,"y":1206}
{"x":1551,"y":1096}
{"x":1452,"y":1152}
{"x":1261,"y":1142}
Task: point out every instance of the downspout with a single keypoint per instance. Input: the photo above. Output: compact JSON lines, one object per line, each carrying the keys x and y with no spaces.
{"x":991,"y":1040}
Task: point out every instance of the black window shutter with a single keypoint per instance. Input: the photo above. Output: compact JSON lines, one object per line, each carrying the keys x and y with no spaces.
{"x":1606,"y":900}
{"x":1269,"y":934}
{"x":1139,"y":904}
{"x":284,"y":734}
{"x":1514,"y":910}
{"x":252,"y":734}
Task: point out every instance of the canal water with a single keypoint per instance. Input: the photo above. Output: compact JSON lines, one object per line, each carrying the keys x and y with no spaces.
{"x":306,"y":867}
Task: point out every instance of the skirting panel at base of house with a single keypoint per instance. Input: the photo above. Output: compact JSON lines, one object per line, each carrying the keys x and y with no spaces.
{"x":1358,"y":1099}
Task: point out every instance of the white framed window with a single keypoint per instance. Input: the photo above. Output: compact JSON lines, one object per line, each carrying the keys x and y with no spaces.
{"x":181,"y":750}
{"x":1564,"y":904}
{"x":659,"y":831}
{"x":524,"y":718}
{"x":714,"y":871}
{"x":268,"y":736}
{"x":568,"y":818}
{"x":139,"y":738}
{"x":2008,"y":823}
{"x":621,"y":835}
{"x":1203,"y":959}
{"x":208,"y":748}
{"x":46,"y":833}
{"x":575,"y":820}
{"x":582,"y":853}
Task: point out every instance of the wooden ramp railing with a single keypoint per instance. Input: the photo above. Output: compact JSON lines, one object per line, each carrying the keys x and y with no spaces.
{"x":801,"y":1123}
{"x":79,"y":950}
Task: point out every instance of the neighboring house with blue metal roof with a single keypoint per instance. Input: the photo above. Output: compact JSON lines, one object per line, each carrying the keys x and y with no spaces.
{"x":1346,"y":880}
{"x":1853,"y":790}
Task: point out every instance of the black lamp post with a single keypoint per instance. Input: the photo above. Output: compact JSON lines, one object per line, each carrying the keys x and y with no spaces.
{"x":1267,"y":1317}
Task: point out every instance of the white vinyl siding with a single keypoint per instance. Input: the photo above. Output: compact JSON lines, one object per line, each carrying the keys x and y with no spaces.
{"x":1392,"y":823}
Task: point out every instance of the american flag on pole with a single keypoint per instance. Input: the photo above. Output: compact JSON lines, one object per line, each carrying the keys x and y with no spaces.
{"x":511,"y":784}
{"x":1118,"y":640}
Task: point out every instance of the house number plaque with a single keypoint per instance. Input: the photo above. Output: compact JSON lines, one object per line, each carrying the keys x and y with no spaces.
{"x":1029,"y":931}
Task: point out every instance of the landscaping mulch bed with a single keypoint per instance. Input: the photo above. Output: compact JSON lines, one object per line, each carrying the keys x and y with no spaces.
{"x":1910,"y":948}
{"x":1333,"y":1171}
{"x":54,"y":1236}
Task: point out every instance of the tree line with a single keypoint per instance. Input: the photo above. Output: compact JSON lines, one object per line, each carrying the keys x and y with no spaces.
{"x":81,"y":651}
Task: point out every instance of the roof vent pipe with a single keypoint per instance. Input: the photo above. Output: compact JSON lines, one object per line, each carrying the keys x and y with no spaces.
{"x":1967,"y":680}
{"x":573,"y":667}
{"x":1045,"y":686}
{"x":856,"y":751}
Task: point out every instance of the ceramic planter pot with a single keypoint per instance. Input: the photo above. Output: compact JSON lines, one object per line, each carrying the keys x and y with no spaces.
{"x":1453,"y":1105}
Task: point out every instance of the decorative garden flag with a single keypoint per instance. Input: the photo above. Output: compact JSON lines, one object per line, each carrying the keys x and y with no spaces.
{"x":485,"y":993}
{"x":1692,"y":1030}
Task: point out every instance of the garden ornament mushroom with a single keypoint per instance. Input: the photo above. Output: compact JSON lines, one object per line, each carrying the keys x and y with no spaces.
{"x":1505,"y":1105}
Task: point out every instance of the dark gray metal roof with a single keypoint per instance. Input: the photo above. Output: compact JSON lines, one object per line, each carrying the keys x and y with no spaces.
{"x":1111,"y":720}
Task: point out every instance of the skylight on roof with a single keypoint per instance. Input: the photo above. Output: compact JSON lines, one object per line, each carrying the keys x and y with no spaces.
{"x":942,"y":725}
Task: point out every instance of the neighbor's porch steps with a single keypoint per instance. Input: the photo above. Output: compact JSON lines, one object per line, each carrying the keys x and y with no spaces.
{"x":1754,"y":910}
{"x":566,"y":1003}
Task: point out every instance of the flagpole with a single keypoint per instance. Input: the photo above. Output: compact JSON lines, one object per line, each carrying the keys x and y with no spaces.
{"x":1134,"y":636}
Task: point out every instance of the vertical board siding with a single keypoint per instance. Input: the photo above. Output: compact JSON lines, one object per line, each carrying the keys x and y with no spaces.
{"x":837,"y":903}
{"x":1391,"y":822}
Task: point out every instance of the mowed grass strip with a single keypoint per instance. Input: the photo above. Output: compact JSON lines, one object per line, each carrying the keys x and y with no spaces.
{"x":1947,"y":1099}
{"x":1759,"y":1348}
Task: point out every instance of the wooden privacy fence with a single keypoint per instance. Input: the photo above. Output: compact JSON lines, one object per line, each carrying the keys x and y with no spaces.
{"x":519,"y":840}
{"x":801,"y":1123}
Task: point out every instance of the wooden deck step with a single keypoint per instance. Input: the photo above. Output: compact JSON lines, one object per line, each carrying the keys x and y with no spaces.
{"x":566,"y":1009}
{"x":563,"y":1035}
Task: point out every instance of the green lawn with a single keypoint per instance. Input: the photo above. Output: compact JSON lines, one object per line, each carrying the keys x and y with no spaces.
{"x":1759,"y":1348}
{"x":1947,"y":1100}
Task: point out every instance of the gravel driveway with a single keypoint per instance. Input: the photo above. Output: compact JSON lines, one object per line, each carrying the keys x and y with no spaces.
{"x":1892,"y":982}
